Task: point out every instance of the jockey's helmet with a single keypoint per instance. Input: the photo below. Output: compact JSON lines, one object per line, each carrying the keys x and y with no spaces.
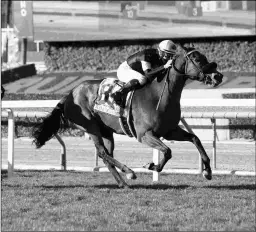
{"x":167,"y":49}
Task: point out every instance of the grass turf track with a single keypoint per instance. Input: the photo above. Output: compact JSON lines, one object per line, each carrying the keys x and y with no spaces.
{"x":67,"y":201}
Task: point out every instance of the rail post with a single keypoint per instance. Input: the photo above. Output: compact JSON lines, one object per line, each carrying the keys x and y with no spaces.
{"x":11,"y":125}
{"x":63,"y":158}
{"x":96,"y":167}
{"x":213,"y":120}
{"x":156,"y":158}
{"x":96,"y":157}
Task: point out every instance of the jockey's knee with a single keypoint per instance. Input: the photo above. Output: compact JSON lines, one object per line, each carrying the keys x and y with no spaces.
{"x":134,"y":82}
{"x":143,"y":81}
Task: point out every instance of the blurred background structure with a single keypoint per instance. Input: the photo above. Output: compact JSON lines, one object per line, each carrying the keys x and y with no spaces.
{"x":40,"y":32}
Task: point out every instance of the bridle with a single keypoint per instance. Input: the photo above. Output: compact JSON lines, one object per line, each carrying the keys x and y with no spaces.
{"x":200,"y":75}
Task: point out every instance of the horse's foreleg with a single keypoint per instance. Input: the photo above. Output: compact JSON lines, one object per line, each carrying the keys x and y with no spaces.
{"x":156,"y":143}
{"x":181,"y":135}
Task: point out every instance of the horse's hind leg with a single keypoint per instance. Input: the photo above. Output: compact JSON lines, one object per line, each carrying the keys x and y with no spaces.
{"x":181,"y":135}
{"x":109,"y":144}
{"x":81,"y":117}
{"x":108,"y":157}
{"x":103,"y":152}
{"x":151,"y":140}
{"x":99,"y":148}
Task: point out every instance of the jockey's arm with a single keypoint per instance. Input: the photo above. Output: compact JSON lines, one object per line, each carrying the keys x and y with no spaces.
{"x":146,"y":66}
{"x":151,"y":75}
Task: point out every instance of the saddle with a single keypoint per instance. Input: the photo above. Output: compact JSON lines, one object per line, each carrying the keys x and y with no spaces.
{"x":105,"y":103}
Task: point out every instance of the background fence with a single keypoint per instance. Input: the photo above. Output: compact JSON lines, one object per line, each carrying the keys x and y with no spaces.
{"x":8,"y":112}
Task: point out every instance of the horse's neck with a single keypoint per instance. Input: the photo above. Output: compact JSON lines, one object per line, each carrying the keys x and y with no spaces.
{"x":176,"y":80}
{"x":176,"y":85}
{"x":169,"y":90}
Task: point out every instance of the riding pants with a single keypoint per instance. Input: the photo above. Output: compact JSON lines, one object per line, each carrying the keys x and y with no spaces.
{"x":125,"y":73}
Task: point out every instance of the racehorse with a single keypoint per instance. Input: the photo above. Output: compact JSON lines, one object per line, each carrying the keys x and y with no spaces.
{"x":155,"y":113}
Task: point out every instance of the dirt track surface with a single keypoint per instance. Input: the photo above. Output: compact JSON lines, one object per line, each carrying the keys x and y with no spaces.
{"x":231,"y":155}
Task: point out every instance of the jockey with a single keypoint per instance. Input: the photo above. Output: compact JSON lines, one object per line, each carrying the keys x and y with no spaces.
{"x":142,"y":67}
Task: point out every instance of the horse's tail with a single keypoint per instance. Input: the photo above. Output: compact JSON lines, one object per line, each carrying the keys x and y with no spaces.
{"x":52,"y":124}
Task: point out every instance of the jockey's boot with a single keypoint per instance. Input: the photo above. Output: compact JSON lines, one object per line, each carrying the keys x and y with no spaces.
{"x":119,"y":95}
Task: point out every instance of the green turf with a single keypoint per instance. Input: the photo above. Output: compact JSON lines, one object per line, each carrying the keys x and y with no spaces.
{"x":73,"y":201}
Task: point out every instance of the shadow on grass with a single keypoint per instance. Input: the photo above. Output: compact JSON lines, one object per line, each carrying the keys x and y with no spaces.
{"x":180,"y":187}
{"x":140,"y":186}
{"x":136,"y":187}
{"x":56,"y":187}
{"x":155,"y":186}
{"x":232,"y":187}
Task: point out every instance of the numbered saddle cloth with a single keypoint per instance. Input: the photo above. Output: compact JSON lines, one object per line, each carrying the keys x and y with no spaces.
{"x":105,"y":103}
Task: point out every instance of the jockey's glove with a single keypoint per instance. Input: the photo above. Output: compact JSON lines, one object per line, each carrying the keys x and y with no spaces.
{"x":168,"y":64}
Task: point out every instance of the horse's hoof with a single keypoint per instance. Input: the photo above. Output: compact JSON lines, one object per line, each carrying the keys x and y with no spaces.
{"x":149,"y":166}
{"x":131,"y":176}
{"x":207,"y":175}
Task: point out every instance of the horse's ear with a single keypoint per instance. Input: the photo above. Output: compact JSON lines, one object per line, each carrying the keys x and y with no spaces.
{"x":183,"y":48}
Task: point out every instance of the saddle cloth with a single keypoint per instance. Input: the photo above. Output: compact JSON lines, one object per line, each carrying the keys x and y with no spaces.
{"x":105,"y":103}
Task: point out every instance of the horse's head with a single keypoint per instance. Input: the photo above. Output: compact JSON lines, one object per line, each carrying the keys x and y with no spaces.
{"x":195,"y":66}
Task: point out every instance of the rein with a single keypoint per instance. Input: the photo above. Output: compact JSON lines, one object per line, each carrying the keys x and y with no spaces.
{"x":160,"y":98}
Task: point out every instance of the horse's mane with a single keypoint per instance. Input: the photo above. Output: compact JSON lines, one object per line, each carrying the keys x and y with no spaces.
{"x":184,"y":49}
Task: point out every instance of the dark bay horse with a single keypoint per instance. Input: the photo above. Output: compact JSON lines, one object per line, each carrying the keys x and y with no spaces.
{"x":150,"y":124}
